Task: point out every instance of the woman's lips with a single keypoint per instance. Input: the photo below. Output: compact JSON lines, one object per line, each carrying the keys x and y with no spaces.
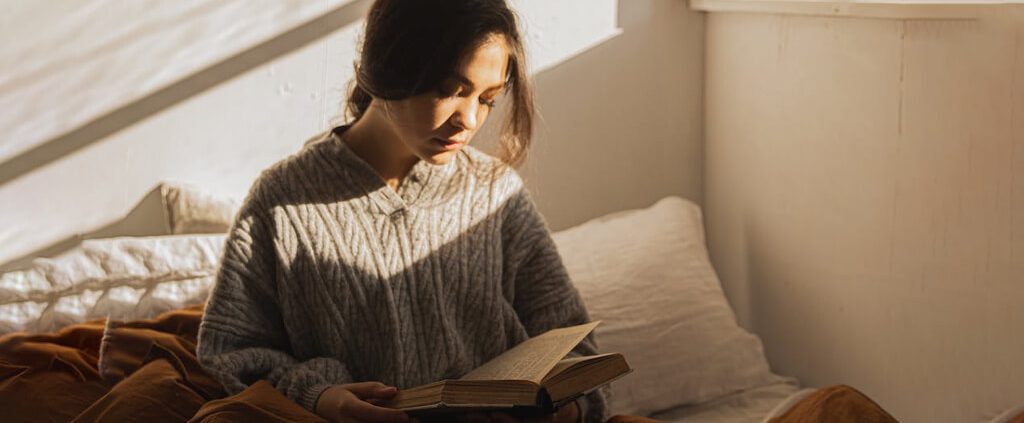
{"x":447,"y":144}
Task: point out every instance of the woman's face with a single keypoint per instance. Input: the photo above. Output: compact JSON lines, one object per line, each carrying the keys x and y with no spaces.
{"x":437,"y":124}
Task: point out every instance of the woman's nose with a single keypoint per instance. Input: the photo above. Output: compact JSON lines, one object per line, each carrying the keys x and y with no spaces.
{"x":465,"y":115}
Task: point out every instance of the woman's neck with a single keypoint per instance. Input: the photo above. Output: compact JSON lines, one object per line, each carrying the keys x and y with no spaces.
{"x":374,"y":140}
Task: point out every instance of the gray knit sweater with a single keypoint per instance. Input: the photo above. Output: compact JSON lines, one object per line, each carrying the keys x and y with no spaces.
{"x":330,"y":276}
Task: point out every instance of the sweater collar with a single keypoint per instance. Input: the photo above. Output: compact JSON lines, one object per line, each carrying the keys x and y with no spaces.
{"x":422,"y":177}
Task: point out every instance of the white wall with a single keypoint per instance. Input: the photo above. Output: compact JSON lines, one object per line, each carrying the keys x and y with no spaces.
{"x":93,"y":133}
{"x":865,"y":203}
{"x":623,"y":122}
{"x":92,"y":126}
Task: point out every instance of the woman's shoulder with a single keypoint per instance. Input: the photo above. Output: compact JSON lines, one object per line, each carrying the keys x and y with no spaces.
{"x":303,"y":171}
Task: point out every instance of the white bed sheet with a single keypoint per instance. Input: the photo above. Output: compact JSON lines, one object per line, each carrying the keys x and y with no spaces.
{"x":751,"y":406}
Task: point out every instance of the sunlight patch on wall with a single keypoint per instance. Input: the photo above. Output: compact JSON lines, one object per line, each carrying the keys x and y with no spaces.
{"x":563,"y":29}
{"x":67,"y":62}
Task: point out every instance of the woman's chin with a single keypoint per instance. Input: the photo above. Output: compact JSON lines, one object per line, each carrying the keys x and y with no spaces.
{"x":440,"y":158}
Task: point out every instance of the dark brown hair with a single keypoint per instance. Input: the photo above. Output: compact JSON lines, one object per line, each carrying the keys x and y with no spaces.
{"x":410,"y":46}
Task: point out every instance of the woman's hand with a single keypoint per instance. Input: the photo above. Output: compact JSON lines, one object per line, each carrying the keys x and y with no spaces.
{"x":359,"y":402}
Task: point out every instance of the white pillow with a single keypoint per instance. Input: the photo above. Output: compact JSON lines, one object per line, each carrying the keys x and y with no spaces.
{"x":190,"y":210}
{"x":646,"y":275}
{"x":125,"y":278}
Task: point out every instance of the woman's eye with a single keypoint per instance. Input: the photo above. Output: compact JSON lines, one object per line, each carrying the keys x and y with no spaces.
{"x":448,"y":91}
{"x":488,"y":102}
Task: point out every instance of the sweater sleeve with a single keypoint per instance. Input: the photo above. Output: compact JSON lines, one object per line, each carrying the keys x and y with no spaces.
{"x":242,"y":338}
{"x":544,"y":296}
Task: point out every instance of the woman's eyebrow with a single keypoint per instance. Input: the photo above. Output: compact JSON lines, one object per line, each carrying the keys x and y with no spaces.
{"x":465,"y":81}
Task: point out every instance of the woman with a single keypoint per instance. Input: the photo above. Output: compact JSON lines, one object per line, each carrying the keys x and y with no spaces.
{"x":391,"y":254}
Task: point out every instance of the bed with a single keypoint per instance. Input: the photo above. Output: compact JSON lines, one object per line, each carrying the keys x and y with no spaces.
{"x":111,"y":325}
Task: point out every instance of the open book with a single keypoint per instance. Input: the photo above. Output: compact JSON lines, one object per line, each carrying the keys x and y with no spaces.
{"x":530,"y":378}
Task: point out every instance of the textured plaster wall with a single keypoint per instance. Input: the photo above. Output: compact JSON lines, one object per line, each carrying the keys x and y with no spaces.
{"x":103,"y":99}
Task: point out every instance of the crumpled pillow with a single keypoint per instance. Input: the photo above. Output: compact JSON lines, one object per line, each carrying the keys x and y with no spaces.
{"x":646,"y":274}
{"x":190,"y":210}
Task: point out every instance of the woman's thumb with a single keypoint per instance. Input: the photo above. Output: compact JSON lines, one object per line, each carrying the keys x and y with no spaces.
{"x":367,"y":390}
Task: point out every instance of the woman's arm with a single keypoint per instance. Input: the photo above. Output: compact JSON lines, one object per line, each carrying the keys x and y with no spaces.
{"x":242,"y":338}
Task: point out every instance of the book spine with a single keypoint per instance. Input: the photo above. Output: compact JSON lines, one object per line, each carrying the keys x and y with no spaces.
{"x":544,"y":400}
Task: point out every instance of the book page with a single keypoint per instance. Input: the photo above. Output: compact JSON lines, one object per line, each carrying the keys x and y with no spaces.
{"x":564,"y":364}
{"x":532,"y":359}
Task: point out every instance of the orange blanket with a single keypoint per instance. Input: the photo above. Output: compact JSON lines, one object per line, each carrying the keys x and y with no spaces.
{"x":141,"y":371}
{"x":147,"y":371}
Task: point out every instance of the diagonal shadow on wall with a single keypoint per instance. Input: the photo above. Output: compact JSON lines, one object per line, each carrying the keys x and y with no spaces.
{"x":194,"y":84}
{"x":147,"y":218}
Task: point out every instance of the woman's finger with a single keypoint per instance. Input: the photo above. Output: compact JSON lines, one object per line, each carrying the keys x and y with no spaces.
{"x":367,"y":390}
{"x":366,"y":411}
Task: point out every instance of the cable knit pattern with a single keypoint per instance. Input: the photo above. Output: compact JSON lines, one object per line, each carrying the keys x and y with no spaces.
{"x":330,"y":276}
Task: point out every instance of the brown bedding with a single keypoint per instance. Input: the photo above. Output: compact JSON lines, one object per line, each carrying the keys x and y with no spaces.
{"x":834,"y":404}
{"x":147,"y":371}
{"x":135,"y":371}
